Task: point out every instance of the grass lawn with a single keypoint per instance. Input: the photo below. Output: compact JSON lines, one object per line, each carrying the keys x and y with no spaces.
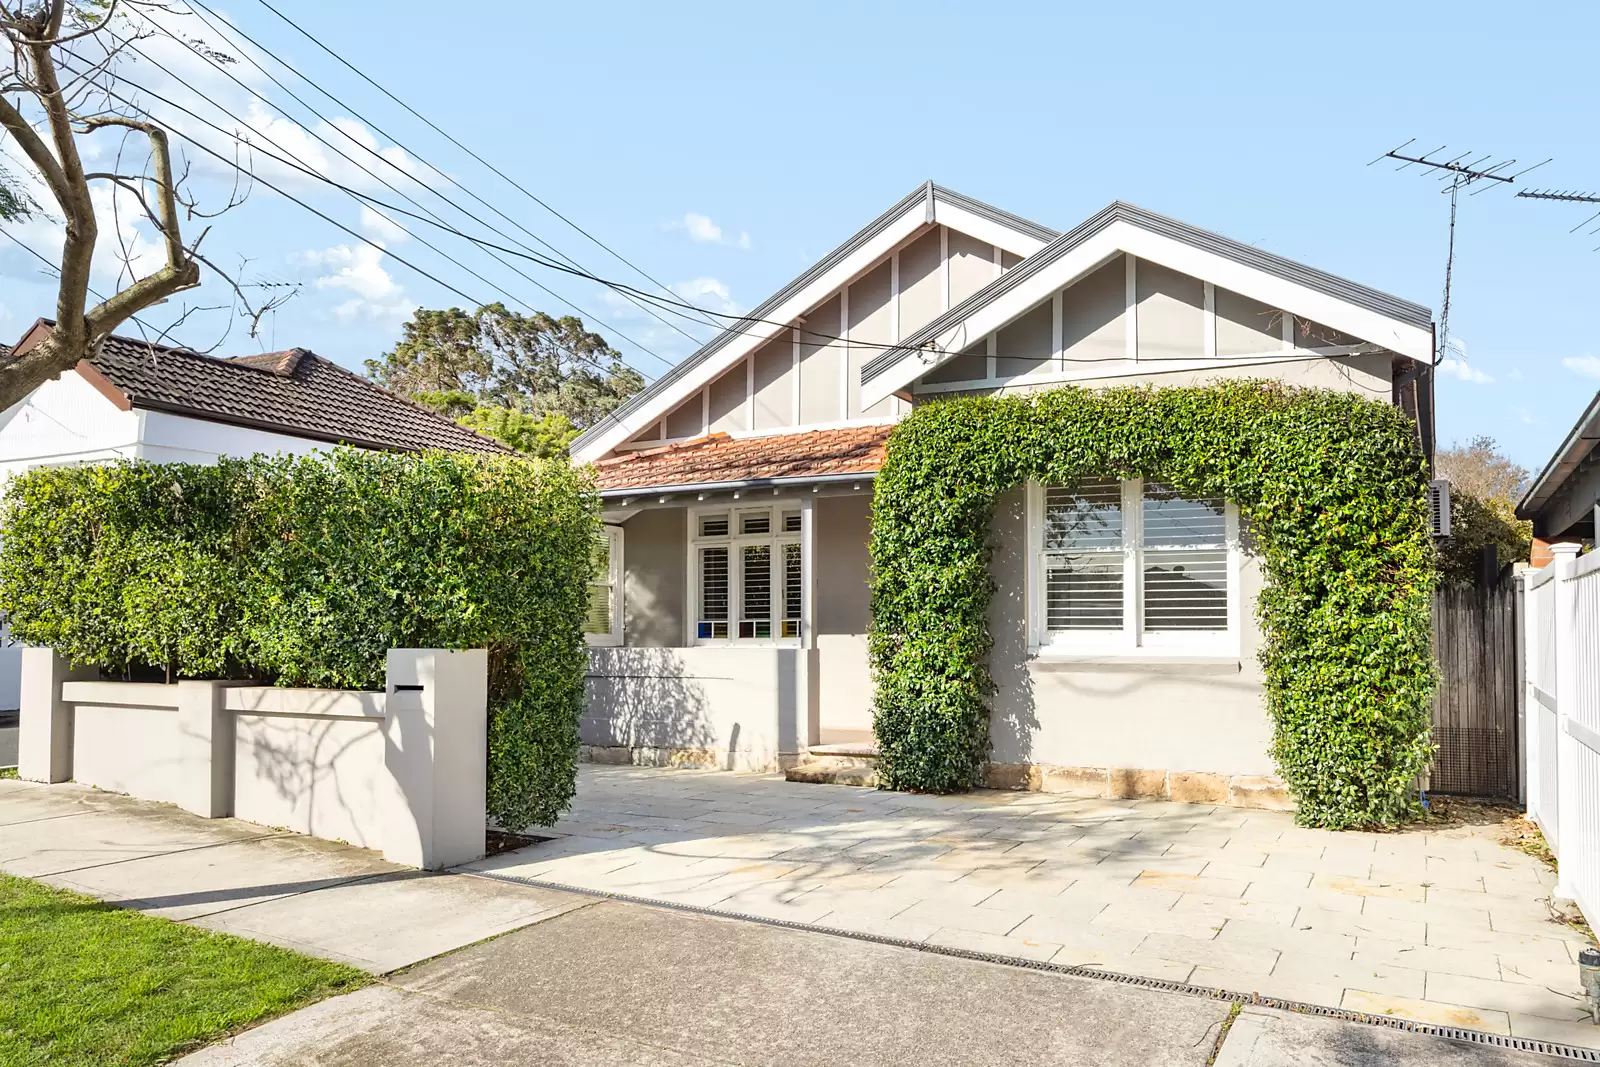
{"x":82,"y":982}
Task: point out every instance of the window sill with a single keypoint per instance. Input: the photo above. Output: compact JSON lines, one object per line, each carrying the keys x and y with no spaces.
{"x":1178,"y":663}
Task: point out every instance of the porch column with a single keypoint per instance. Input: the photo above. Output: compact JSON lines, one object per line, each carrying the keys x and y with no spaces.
{"x":808,"y":614}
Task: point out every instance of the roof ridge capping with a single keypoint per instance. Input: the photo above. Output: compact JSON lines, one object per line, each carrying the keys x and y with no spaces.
{"x":1333,"y":285}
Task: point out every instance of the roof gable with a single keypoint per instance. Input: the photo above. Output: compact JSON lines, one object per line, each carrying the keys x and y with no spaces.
{"x":1397,"y":324}
{"x":925,"y":206}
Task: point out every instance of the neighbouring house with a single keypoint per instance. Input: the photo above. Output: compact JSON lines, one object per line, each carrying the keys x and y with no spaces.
{"x":137,"y":400}
{"x":1564,"y":501}
{"x":730,"y":626}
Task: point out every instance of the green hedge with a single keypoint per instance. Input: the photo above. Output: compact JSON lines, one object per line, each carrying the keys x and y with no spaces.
{"x":305,"y":571}
{"x":1334,"y":489}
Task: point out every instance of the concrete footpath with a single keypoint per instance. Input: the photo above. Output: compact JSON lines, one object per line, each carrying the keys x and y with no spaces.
{"x":318,"y":897}
{"x":577,"y":980}
{"x":619,"y":983}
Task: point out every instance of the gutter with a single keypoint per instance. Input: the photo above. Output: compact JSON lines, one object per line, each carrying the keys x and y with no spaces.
{"x":747,"y":483}
{"x":1567,"y":458}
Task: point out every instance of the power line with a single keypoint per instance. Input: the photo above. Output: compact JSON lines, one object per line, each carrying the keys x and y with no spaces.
{"x":295,"y":164}
{"x":366,"y":170}
{"x":428,"y":163}
{"x":431,"y":125}
{"x":298,"y":165}
{"x":281,"y":192}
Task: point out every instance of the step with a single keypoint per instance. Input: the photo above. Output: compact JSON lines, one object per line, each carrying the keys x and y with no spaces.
{"x":849,"y":764}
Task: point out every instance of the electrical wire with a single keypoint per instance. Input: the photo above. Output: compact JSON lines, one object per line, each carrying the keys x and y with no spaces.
{"x":433,"y":126}
{"x":298,"y":164}
{"x":378,"y":155}
{"x":734,"y":320}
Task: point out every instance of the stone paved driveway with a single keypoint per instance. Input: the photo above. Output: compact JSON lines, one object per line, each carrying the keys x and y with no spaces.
{"x":1449,"y":927}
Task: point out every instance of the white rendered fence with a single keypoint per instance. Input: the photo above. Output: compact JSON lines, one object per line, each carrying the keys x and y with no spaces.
{"x":401,"y":770}
{"x":1562,"y":667}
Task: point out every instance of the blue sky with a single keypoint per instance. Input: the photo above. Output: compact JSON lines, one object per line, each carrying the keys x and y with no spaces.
{"x":725,"y":147}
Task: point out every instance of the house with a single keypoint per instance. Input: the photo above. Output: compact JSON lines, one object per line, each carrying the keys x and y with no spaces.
{"x":137,"y":400}
{"x":1564,"y":501}
{"x":730,"y":626}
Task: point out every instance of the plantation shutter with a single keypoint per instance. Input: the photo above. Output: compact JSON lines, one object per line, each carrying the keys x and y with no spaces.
{"x":1185,"y":561}
{"x":1083,"y":543}
{"x":603,"y":620}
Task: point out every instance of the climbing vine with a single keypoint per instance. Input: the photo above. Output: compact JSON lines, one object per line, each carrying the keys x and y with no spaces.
{"x":1334,"y":489}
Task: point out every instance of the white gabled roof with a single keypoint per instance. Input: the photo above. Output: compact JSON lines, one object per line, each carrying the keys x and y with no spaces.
{"x":927,"y":205}
{"x":1398,"y":325}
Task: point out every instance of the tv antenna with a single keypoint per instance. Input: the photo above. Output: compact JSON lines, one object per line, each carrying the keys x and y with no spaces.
{"x":1458,"y":174}
{"x":1571,"y":197}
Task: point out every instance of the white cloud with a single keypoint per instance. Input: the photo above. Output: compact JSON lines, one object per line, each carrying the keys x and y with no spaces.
{"x":359,"y":270}
{"x":1526,"y":417}
{"x":1588,"y":366}
{"x":1460,"y":368}
{"x":708,"y":293}
{"x":380,"y":227}
{"x":700,"y":228}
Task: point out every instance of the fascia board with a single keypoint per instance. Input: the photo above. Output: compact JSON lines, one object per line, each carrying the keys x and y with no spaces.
{"x":1278,"y":292}
{"x":984,"y":229}
{"x":617,"y":431}
{"x":1123,"y":236}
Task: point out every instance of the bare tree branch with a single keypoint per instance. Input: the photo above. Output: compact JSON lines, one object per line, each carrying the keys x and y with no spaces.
{"x":50,"y":141}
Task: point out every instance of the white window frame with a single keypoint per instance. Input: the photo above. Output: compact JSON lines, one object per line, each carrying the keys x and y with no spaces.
{"x":613,"y":584}
{"x":1131,"y":642}
{"x":735,"y":542}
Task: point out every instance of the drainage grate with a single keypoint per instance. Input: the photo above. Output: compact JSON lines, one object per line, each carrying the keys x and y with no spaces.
{"x":1452,"y":1033}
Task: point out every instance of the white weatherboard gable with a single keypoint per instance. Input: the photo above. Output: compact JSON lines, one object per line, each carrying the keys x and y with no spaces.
{"x":1122,"y":236}
{"x":909,"y":223}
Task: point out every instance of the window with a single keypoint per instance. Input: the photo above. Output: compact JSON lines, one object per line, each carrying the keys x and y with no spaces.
{"x":603,"y":621}
{"x":748,"y":578}
{"x":1132,"y":566}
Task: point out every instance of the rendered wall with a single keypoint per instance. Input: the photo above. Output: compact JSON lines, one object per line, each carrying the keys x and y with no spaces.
{"x":403,"y":770}
{"x":316,"y":774}
{"x":654,"y":578}
{"x":742,"y":709}
{"x":843,"y":610}
{"x":1148,"y":717}
{"x":129,"y":748}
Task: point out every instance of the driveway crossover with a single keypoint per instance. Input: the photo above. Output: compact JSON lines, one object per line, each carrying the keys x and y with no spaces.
{"x":1450,"y":927}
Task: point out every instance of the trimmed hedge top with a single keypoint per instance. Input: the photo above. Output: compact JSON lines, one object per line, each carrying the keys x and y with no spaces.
{"x":1335,"y":490}
{"x":305,"y":571}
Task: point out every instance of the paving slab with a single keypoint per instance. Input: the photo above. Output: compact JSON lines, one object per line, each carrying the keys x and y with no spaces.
{"x":1449,"y":918}
{"x":1260,"y":1038}
{"x":319,"y":897}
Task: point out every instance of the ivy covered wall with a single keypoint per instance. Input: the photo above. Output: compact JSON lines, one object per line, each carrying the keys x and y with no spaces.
{"x":1333,"y":488}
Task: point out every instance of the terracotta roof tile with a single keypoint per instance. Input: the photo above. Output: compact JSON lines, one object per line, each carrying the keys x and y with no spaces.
{"x":719,"y":458}
{"x":296,"y":392}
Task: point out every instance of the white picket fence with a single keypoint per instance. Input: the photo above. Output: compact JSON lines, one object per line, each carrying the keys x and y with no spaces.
{"x":1562,"y":723}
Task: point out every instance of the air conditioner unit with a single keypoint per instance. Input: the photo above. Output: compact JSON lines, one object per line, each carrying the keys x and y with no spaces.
{"x":1439,"y":507}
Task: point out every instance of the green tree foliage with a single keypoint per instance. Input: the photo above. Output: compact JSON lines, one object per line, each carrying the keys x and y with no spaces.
{"x":532,"y":364}
{"x":15,"y":203}
{"x":1485,"y":486}
{"x":306,"y":571}
{"x":1334,"y":490}
{"x":546,"y":435}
